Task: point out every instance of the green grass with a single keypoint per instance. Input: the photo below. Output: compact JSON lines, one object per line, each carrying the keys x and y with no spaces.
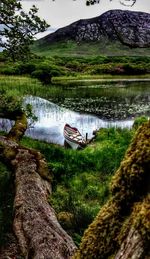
{"x":72,"y":49}
{"x":24,"y":85}
{"x":97,"y":78}
{"x":81,"y":178}
{"x":21,"y":86}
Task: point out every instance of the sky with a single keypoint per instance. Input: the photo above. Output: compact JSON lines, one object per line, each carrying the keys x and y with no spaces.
{"x":60,"y":13}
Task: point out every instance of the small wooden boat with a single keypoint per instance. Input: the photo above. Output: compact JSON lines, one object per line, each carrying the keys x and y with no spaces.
{"x":73,"y":137}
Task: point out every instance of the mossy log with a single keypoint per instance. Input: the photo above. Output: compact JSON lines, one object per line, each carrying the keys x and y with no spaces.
{"x":19,"y":128}
{"x":121,"y":230}
{"x":38,"y":233}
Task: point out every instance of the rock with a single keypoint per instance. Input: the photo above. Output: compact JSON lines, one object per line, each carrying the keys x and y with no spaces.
{"x":128,"y":27}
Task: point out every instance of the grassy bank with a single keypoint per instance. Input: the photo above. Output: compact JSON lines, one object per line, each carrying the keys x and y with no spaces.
{"x":25,"y":85}
{"x":81,"y":178}
{"x":92,"y":49}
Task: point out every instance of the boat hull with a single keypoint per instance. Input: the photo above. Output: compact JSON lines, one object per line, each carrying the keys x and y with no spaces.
{"x":73,"y":137}
{"x":72,"y":145}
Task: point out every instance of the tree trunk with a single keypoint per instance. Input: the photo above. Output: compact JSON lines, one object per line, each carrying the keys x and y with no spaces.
{"x":121,"y":229}
{"x":132,"y":247}
{"x":38,"y":233}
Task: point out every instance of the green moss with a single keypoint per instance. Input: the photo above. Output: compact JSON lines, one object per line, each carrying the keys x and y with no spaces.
{"x":18,"y":130}
{"x":42,"y":166}
{"x":9,"y":153}
{"x":129,"y":186}
{"x":65,"y":219}
{"x":139,"y":220}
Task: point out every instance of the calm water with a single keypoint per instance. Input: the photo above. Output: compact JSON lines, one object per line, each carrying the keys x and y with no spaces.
{"x":112,"y":106}
{"x":111,"y":101}
{"x":52,"y":118}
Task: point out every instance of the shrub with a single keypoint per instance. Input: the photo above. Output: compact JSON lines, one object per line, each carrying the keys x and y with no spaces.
{"x":44,"y":75}
{"x":9,"y":70}
{"x":136,"y":70}
{"x":56,"y":72}
{"x":25,"y":68}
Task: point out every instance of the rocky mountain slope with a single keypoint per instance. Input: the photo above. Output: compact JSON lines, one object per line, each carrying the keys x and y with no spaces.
{"x":128,"y":27}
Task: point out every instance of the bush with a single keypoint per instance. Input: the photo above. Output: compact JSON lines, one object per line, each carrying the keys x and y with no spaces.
{"x":43,"y":75}
{"x":56,"y":72}
{"x":25,"y":68}
{"x":9,"y":70}
{"x":136,"y":70}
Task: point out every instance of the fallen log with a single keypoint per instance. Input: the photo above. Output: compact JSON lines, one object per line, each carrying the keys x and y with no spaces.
{"x":35,"y":224}
{"x":36,"y":228}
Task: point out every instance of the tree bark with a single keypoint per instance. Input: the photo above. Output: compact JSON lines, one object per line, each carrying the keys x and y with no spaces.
{"x":35,"y":224}
{"x":132,"y":247}
{"x":121,"y":229}
{"x":39,"y":234}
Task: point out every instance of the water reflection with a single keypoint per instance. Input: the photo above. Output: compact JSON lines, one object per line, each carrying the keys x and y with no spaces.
{"x":52,"y":118}
{"x":6,"y":125}
{"x":122,"y":100}
{"x":115,"y":103}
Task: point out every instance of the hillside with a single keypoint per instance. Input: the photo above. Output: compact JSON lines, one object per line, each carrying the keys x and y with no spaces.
{"x":130,"y":28}
{"x":115,"y":32}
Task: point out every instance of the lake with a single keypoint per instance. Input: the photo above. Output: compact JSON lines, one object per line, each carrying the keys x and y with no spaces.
{"x":87,"y":107}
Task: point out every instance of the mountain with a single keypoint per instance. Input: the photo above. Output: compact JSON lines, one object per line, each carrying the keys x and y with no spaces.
{"x":128,"y":27}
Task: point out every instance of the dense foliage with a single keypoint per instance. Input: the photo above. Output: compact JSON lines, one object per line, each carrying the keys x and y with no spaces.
{"x":81,"y":178}
{"x":18,"y":28}
{"x":45,"y":69}
{"x":124,"y":218}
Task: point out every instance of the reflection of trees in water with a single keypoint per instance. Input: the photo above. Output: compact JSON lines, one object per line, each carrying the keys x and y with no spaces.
{"x":114,"y":107}
{"x":117,"y":111}
{"x":107,"y":106}
{"x":6,"y":125}
{"x":97,"y":89}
